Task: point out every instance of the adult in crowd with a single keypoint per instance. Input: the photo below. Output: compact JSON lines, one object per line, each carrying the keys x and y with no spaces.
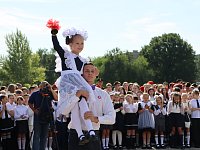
{"x":41,"y":104}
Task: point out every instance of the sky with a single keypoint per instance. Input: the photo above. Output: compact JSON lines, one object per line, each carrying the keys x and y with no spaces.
{"x":126,"y":24}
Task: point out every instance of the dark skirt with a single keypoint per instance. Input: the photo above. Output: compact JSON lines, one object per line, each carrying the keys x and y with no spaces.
{"x":119,"y":122}
{"x":160,"y":124}
{"x":176,"y":120}
{"x":131,"y":121}
{"x":6,"y":124}
{"x":106,"y":126}
{"x":22,"y":126}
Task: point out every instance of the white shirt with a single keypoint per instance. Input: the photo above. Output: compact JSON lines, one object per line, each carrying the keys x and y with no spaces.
{"x":102,"y":108}
{"x":158,"y":111}
{"x":10,"y":106}
{"x":130,"y":108}
{"x":19,"y":111}
{"x":3,"y":115}
{"x":174,"y":108}
{"x":196,"y":113}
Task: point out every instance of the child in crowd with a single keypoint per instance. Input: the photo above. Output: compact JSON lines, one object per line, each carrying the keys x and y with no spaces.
{"x":165,"y":94}
{"x":151,"y":93}
{"x":131,"y":119}
{"x":146,"y":119}
{"x":106,"y":128}
{"x":187,"y":112}
{"x":195,"y":118}
{"x":70,"y":65}
{"x":21,"y":120}
{"x":30,"y":119}
{"x":176,"y":119}
{"x":119,"y":122}
{"x":6,"y":124}
{"x":159,"y":115}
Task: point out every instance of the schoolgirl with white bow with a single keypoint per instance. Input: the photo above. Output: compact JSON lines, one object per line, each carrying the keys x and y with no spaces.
{"x":160,"y":112}
{"x":146,"y":119}
{"x":175,"y":111}
{"x":70,"y":64}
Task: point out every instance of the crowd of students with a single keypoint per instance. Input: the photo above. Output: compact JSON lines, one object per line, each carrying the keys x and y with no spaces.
{"x":159,"y":115}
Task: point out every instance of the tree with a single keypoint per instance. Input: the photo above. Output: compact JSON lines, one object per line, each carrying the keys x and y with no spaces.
{"x":142,"y":71}
{"x":21,"y":65}
{"x":197,"y":61}
{"x":47,"y":61}
{"x":19,"y":56}
{"x":37,"y":71}
{"x":170,"y":57}
{"x":123,"y":66}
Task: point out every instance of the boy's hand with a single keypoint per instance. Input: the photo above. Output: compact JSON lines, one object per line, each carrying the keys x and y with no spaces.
{"x":83,"y":93}
{"x":90,"y":115}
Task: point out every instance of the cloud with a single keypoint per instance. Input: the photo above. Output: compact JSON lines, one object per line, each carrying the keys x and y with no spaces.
{"x":139,"y":32}
{"x":33,"y":1}
{"x":17,"y":18}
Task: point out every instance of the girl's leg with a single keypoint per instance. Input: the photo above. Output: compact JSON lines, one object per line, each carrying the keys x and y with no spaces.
{"x":50,"y":140}
{"x":104,"y":138}
{"x":144,"y":137}
{"x":137,"y":138}
{"x":162,"y":138}
{"x":181,"y":137}
{"x":128,"y":138}
{"x":119,"y":137}
{"x":156,"y":138}
{"x":107,"y":137}
{"x":188,"y":137}
{"x":133,"y":138}
{"x":19,"y":141}
{"x":114,"y":137}
{"x":84,"y":108}
{"x":47,"y":141}
{"x":4,"y":143}
{"x":172,"y":137}
{"x":23,"y":141}
{"x":148,"y":138}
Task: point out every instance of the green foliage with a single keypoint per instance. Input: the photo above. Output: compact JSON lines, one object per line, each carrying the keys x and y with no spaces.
{"x":20,"y":65}
{"x":18,"y":60}
{"x":47,"y":60}
{"x":170,"y":57}
{"x":141,"y":67}
{"x":37,"y":71}
{"x":122,"y":66}
{"x":197,"y":62}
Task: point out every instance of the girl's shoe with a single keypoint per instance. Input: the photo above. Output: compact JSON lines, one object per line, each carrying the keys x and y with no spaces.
{"x":188,"y":146}
{"x":144,"y":146}
{"x":162,"y":146}
{"x":148,"y":146}
{"x":115,"y":147}
{"x":157,"y":146}
{"x":120,"y":147}
{"x":82,"y":140}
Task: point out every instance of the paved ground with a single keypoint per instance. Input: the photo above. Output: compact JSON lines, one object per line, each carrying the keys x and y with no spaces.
{"x":164,"y":149}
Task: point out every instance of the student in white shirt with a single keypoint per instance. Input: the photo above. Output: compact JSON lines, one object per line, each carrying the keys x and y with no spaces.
{"x":102,"y":112}
{"x":176,"y":118}
{"x":195,"y":118}
{"x":6,"y":123}
{"x":21,"y":119}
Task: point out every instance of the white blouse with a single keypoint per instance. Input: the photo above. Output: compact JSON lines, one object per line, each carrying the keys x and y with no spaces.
{"x":130,"y":108}
{"x":19,"y":111}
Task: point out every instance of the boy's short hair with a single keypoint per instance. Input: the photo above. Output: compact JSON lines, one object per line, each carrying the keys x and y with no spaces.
{"x":117,"y":82}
